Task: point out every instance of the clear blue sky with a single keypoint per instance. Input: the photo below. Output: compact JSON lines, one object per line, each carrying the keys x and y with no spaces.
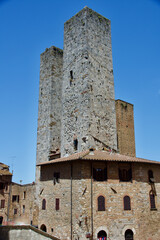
{"x":28,"y":27}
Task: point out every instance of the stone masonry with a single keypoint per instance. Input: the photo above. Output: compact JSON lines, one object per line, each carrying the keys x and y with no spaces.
{"x":88,"y":105}
{"x":125,"y":128}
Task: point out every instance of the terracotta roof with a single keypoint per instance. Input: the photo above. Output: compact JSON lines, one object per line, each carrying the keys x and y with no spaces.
{"x":98,"y":155}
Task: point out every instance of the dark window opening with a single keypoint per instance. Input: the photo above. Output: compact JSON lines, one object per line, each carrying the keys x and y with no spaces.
{"x":129,"y":235}
{"x":1,"y":220}
{"x":57,"y":204}
{"x":15,"y":198}
{"x":44,"y":204}
{"x":23,"y":209}
{"x":43,"y":228}
{"x":127,"y":203}
{"x":75,"y":143}
{"x":101,"y":203}
{"x":51,"y":229}
{"x":2,"y":203}
{"x":150,"y":176}
{"x":15,"y":211}
{"x":71,"y":77}
{"x":125,"y":175}
{"x":100,"y":174}
{"x":56,"y":177}
{"x":102,"y":235}
{"x":24,"y":195}
{"x":2,"y":186}
{"x":152,"y":200}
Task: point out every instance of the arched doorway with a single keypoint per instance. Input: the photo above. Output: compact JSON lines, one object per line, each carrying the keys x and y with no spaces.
{"x":43,"y":228}
{"x":102,"y":234}
{"x":129,"y":234}
{"x":1,"y":220}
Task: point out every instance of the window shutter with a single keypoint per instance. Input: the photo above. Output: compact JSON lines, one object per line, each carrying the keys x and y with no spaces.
{"x":2,"y":203}
{"x":101,"y":203}
{"x":127,"y":204}
{"x":152,"y":201}
{"x":57,"y":204}
{"x":105,"y":174}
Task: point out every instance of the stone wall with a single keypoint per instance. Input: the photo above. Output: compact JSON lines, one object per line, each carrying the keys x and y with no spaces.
{"x":125,"y":128}
{"x":78,"y":195}
{"x":23,"y":233}
{"x":88,"y":105}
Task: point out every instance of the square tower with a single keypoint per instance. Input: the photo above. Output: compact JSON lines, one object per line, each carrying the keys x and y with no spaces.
{"x":88,"y":102}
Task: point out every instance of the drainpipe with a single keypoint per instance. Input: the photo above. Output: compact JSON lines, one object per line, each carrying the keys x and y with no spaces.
{"x":91,"y":200}
{"x":71,"y":200}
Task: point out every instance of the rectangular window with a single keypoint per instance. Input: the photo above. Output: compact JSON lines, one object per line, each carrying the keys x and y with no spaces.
{"x":15,"y":211}
{"x":15,"y":198}
{"x":2,"y":203}
{"x":100,"y":174}
{"x":23,"y":209}
{"x":24,"y":195}
{"x":125,"y":172}
{"x":2,"y":186}
{"x":56,"y":177}
{"x":57,"y":204}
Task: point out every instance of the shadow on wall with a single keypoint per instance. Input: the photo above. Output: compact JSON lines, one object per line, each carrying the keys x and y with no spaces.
{"x":4,"y":234}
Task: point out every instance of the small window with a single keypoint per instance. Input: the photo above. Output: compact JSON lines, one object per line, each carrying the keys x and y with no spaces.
{"x":24,"y":195}
{"x":57,"y":204}
{"x":127,"y":203}
{"x":15,"y":211}
{"x":15,"y":198}
{"x":100,"y":174}
{"x":150,"y":176}
{"x":56,"y":177}
{"x":23,"y":209}
{"x":152,"y":200}
{"x":2,"y":186}
{"x":128,"y":235}
{"x":125,"y":175}
{"x":101,"y":203}
{"x":75,"y":143}
{"x":71,"y":78}
{"x":2,"y":203}
{"x":44,"y":204}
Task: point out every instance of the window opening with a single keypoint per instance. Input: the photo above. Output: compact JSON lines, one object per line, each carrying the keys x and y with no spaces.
{"x":101,"y":203}
{"x":102,"y":235}
{"x":75,"y":142}
{"x":56,"y":177}
{"x":23,"y":209}
{"x":43,"y":228}
{"x":150,"y":176}
{"x":71,"y":77}
{"x":44,"y":204}
{"x":15,"y":211}
{"x":57,"y":204}
{"x":125,"y":174}
{"x":2,"y":203}
{"x":100,"y":174}
{"x":129,"y":235}
{"x":127,"y":203}
{"x":1,"y":220}
{"x":15,"y":198}
{"x":24,"y":195}
{"x":152,"y":200}
{"x":2,"y":186}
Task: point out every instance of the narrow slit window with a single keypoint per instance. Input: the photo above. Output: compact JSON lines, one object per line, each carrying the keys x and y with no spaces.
{"x":57,"y":204}
{"x":127,"y":203}
{"x":101,"y":203}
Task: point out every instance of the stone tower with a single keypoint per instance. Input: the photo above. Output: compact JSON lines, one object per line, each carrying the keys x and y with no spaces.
{"x":88,"y":102}
{"x":49,"y":110}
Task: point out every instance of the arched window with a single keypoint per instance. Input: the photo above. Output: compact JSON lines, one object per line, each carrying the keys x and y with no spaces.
{"x":102,"y":235}
{"x":152,"y":200}
{"x":101,"y":203}
{"x":129,"y":234}
{"x":127,"y":203}
{"x":44,"y":204}
{"x":43,"y":228}
{"x":150,"y":176}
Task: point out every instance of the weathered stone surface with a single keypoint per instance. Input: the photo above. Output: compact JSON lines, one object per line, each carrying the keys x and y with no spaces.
{"x":88,"y":106}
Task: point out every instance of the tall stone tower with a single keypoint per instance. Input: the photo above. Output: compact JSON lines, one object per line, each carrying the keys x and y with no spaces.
{"x":88,"y":102}
{"x":49,"y":110}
